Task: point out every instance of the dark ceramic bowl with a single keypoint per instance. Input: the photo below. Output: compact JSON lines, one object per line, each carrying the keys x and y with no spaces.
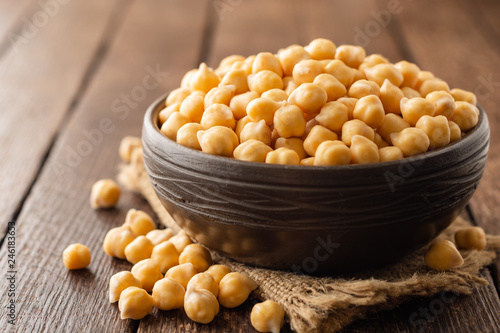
{"x":316,"y":220}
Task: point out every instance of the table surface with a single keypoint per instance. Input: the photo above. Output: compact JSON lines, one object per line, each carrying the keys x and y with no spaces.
{"x":77,"y":76}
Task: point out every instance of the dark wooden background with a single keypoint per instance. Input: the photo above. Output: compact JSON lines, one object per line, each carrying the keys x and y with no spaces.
{"x":72,"y":84}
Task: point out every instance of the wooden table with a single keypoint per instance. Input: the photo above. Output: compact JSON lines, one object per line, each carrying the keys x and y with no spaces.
{"x":76,"y":76}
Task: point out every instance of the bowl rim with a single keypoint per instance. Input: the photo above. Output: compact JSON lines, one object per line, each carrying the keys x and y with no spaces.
{"x":151,"y":126}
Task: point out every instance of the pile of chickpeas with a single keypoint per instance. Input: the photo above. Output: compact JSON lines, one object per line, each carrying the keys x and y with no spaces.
{"x":316,"y":105}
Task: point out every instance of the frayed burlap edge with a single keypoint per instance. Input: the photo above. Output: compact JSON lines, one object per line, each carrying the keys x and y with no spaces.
{"x":328,"y":304}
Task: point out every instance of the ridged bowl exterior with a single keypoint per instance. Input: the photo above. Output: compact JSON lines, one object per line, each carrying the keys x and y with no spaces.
{"x":314,"y":220}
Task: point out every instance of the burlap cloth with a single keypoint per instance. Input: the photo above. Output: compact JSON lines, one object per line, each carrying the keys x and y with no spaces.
{"x":328,"y":304}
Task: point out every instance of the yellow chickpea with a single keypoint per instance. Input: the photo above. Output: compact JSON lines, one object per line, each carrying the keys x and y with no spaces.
{"x":267,"y":61}
{"x":263,"y":81}
{"x":316,"y":136}
{"x":350,"y":55}
{"x":309,"y":161}
{"x":262,"y":108}
{"x":182,"y":273}
{"x":290,"y":56}
{"x":321,"y":48}
{"x":411,"y":141}
{"x":76,"y":256}
{"x":168,"y":294}
{"x":363,"y":150}
{"x":332,"y":152}
{"x":443,"y":256}
{"x":252,"y":151}
{"x":357,"y":75}
{"x":180,"y":241}
{"x":218,"y":272}
{"x":172,"y":125}
{"x":139,"y":249}
{"x":363,"y":88}
{"x":168,"y":111}
{"x":200,"y":305}
{"x":119,"y":282}
{"x":356,"y":127}
{"x":177,"y":96}
{"x":148,"y":272}
{"x":237,"y":78}
{"x":392,"y":124}
{"x":436,"y":128}
{"x":187,"y":135}
{"x":372,"y":60}
{"x":193,"y":107}
{"x":443,"y":102}
{"x":306,"y":70}
{"x":466,"y":115}
{"x":289,"y":121}
{"x":198,"y":255}
{"x":234,"y":289}
{"x":283,"y":156}
{"x":267,"y":316}
{"x":379,"y":141}
{"x":204,"y":281}
{"x":256,"y":131}
{"x":414,"y":108}
{"x":127,"y":145}
{"x":218,"y":140}
{"x":391,"y":96}
{"x":471,"y":238}
{"x":230,"y":60}
{"x":464,"y":96}
{"x":309,"y":97}
{"x":455,"y":131}
{"x":104,"y":194}
{"x":410,"y":93}
{"x":219,"y":95}
{"x":139,"y":222}
{"x":218,"y":115}
{"x":341,"y":71}
{"x":277,"y":95}
{"x":186,"y":79}
{"x":350,"y":102}
{"x":333,"y":115}
{"x":295,"y":144}
{"x":289,"y":85}
{"x":239,"y":103}
{"x":135,"y":303}
{"x":333,"y":87}
{"x":381,"y":72}
{"x":158,"y":236}
{"x":409,"y":71}
{"x":429,"y":86}
{"x":421,"y":77}
{"x":390,"y":153}
{"x":116,"y":240}
{"x":370,"y":110}
{"x":166,"y":255}
{"x":204,"y":79}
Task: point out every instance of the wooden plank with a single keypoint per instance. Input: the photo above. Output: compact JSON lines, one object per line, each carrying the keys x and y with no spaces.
{"x":57,"y":211}
{"x":32,"y":110}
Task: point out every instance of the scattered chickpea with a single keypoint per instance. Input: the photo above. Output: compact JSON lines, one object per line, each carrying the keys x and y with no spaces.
{"x":218,"y":272}
{"x":119,"y":282}
{"x":104,"y":194}
{"x":252,"y":151}
{"x":139,"y":222}
{"x":218,"y":140}
{"x":234,"y":289}
{"x":411,"y":141}
{"x":135,"y":303}
{"x":443,"y":256}
{"x":168,"y":294}
{"x":332,"y":152}
{"x":200,"y":305}
{"x":166,"y":255}
{"x":148,"y":272}
{"x":180,"y":241}
{"x":316,"y":136}
{"x":257,"y":131}
{"x":204,"y":281}
{"x":76,"y":256}
{"x":436,"y":128}
{"x":182,"y":273}
{"x":363,"y":150}
{"x":472,"y":238}
{"x":198,"y":255}
{"x":139,"y":249}
{"x":466,"y":115}
{"x":116,"y":240}
{"x":267,"y":316}
{"x":127,"y":145}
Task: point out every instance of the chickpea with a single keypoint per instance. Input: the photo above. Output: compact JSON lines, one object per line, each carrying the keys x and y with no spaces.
{"x":158,"y":236}
{"x":332,"y":152}
{"x":370,"y":110}
{"x":443,"y":256}
{"x":363,"y":150}
{"x":257,"y":131}
{"x":295,"y":144}
{"x":356,"y":127}
{"x":306,"y":70}
{"x":321,"y":48}
{"x":252,"y":151}
{"x":219,"y":95}
{"x":119,"y":282}
{"x":139,"y":249}
{"x":363,"y":88}
{"x":333,"y":115}
{"x":410,"y":93}
{"x":282,"y":156}
{"x":289,"y":85}
{"x":237,"y":78}
{"x":135,"y":303}
{"x":198,"y":255}
{"x":234,"y":289}
{"x":139,"y":222}
{"x":289,"y":121}
{"x":187,"y":135}
{"x":166,"y":255}
{"x":204,"y":79}
{"x":267,"y":61}
{"x":193,"y":107}
{"x":414,"y":108}
{"x":443,"y":103}
{"x":218,"y":115}
{"x":116,"y":240}
{"x":177,"y":96}
{"x":204,"y":281}
{"x":262,"y":108}
{"x":239,"y":103}
{"x":316,"y":136}
{"x":168,"y":294}
{"x":290,"y":56}
{"x":390,"y":153}
{"x":350,"y":55}
{"x":263,"y":81}
{"x":76,"y":256}
{"x":392,"y":124}
{"x":309,"y":126}
{"x":267,"y":316}
{"x":455,"y":131}
{"x":381,"y":72}
{"x":148,"y":272}
{"x":186,"y":79}
{"x":218,"y":140}
{"x":333,"y":87}
{"x":182,"y":273}
{"x":372,"y":60}
{"x":429,"y":86}
{"x":307,"y":161}
{"x":180,"y":241}
{"x":357,"y":75}
{"x":464,"y":96}
{"x":218,"y":272}
{"x":466,"y":115}
{"x":350,"y":102}
{"x":436,"y":128}
{"x":471,"y":238}
{"x":168,"y":111}
{"x":409,"y":71}
{"x":200,"y":305}
{"x":104,"y":194}
{"x":381,"y":143}
{"x":230,"y":60}
{"x":411,"y":141}
{"x":309,"y":97}
{"x":421,"y":77}
{"x":277,"y":95}
{"x":127,"y":145}
{"x":172,"y":125}
{"x":391,"y":96}
{"x":341,"y":71}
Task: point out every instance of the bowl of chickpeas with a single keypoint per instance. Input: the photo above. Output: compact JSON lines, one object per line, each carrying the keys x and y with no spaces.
{"x":315,"y":159}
